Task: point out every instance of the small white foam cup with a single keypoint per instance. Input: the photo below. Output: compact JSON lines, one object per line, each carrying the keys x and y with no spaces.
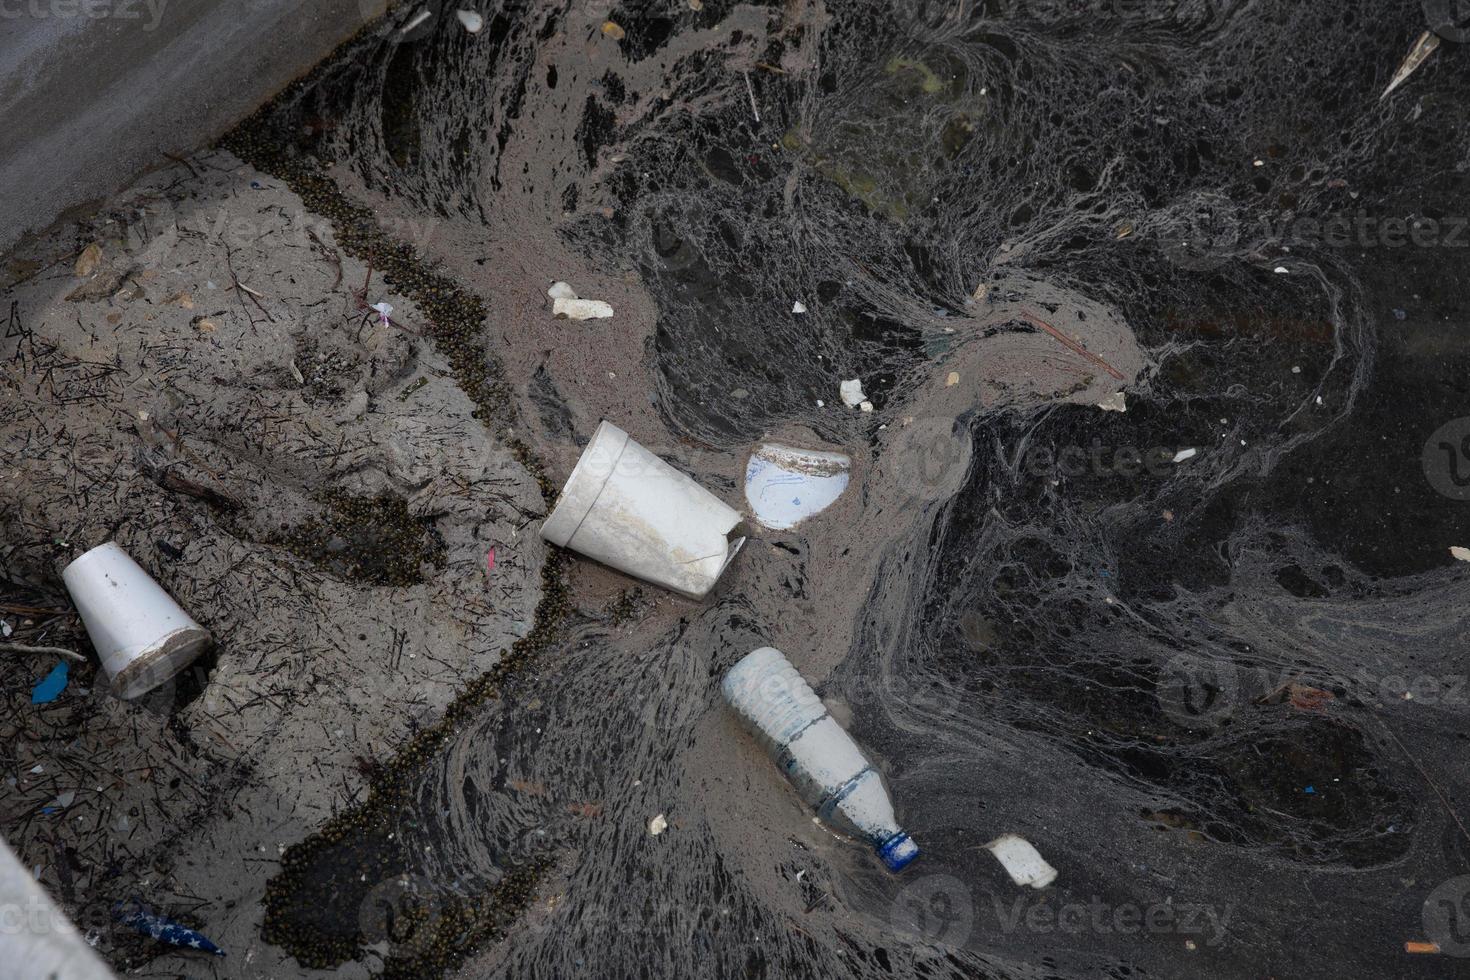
{"x":142,"y":636}
{"x":628,"y":509}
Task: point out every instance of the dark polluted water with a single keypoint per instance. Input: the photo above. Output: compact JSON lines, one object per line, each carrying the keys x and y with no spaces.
{"x":1207,"y":654}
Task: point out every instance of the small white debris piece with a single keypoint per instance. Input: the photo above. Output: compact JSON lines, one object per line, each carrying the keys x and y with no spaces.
{"x":1114,"y":403}
{"x":5,"y":628}
{"x":471,"y":20}
{"x":1463,"y":554}
{"x":1296,"y":369}
{"x":418,"y":19}
{"x":1282,"y":270}
{"x":952,"y":380}
{"x":581,"y":309}
{"x":798,"y":307}
{"x":560,"y":290}
{"x":852,"y":392}
{"x":1185,"y":454}
{"x":866,"y":406}
{"x":658,"y":825}
{"x":785,"y":485}
{"x":296,"y":373}
{"x":65,"y":799}
{"x":821,"y":404}
{"x":1022,"y":862}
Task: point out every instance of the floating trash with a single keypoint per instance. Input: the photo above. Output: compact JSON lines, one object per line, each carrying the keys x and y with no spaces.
{"x":1022,"y":862}
{"x":566,"y":305}
{"x":142,"y":636}
{"x":785,"y":485}
{"x":627,"y":508}
{"x":140,"y":917}
{"x":50,"y":687}
{"x":816,"y":753}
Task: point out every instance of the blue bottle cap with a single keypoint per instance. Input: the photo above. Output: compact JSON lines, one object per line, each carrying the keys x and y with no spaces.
{"x":897,"y":851}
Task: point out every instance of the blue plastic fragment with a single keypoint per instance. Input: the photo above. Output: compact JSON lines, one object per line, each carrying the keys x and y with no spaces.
{"x":51,"y":686}
{"x":143,"y":919}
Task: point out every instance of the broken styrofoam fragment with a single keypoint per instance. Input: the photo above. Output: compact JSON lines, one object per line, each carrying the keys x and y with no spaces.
{"x":1185,"y":454}
{"x":852,"y":392}
{"x":561,"y":290}
{"x":866,"y":406}
{"x":784,"y":485}
{"x":1463,"y":554}
{"x":1114,"y":403}
{"x":471,"y":20}
{"x":1022,"y":862}
{"x":798,"y":307}
{"x":416,"y":20}
{"x":658,"y":825}
{"x":581,"y":309}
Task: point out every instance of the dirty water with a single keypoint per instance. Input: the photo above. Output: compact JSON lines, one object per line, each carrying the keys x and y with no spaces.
{"x":1225,"y":696}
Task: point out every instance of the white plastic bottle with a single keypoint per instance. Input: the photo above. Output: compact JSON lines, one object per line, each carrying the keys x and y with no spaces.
{"x":818,"y":756}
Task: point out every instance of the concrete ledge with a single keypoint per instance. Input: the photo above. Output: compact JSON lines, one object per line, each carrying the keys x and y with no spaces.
{"x":94,"y":92}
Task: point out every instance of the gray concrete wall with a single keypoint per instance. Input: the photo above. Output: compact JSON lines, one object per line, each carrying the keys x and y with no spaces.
{"x":93,"y":92}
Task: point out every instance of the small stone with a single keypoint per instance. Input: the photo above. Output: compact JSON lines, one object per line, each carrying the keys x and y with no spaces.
{"x":952,"y":380}
{"x":88,"y":261}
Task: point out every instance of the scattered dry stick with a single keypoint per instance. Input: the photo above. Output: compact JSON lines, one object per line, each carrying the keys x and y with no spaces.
{"x":56,"y":651}
{"x":1073,"y":345}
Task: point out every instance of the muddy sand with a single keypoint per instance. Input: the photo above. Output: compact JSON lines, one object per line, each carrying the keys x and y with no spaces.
{"x":1164,"y":644}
